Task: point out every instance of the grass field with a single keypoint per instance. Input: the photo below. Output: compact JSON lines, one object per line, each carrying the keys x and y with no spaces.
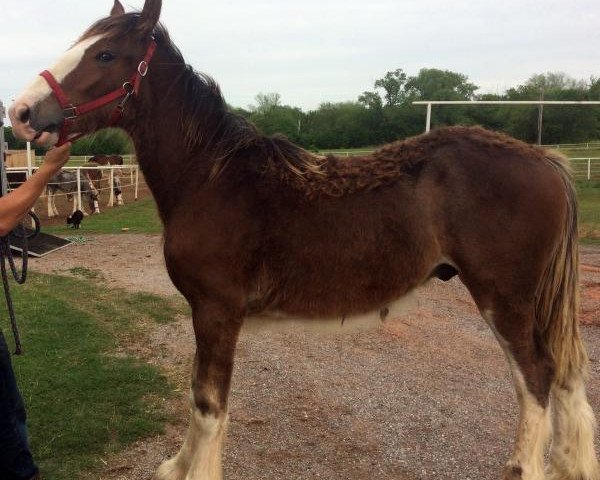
{"x":85,"y":395}
{"x":588,"y":195}
{"x":136,"y":217}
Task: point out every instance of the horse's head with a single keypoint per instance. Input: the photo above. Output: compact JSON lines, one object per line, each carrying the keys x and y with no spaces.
{"x":82,"y":92}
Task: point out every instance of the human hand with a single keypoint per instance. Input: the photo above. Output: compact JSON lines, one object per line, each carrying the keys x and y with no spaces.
{"x":57,"y":157}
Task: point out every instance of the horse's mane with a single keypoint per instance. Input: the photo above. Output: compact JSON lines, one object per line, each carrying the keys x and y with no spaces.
{"x":215,"y":133}
{"x":209,"y":126}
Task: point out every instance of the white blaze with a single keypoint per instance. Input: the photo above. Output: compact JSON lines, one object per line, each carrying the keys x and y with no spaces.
{"x":39,"y":89}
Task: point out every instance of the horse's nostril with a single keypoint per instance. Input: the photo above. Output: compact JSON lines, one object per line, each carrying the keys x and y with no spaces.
{"x":24,"y":113}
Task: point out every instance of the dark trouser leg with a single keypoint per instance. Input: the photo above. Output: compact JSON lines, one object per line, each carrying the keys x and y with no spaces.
{"x":16,"y":462}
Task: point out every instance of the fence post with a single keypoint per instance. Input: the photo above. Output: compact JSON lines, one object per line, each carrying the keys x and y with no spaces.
{"x":79,"y":189}
{"x":111,"y":195}
{"x":428,"y":121}
{"x":589,"y":175}
{"x":137,"y":180}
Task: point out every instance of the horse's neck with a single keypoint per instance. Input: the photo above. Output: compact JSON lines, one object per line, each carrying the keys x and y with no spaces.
{"x":160,"y":141}
{"x":159,"y":158}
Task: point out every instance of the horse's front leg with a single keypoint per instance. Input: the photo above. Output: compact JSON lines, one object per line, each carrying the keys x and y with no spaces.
{"x":54,"y":209}
{"x":118,"y":191}
{"x":216,"y":326}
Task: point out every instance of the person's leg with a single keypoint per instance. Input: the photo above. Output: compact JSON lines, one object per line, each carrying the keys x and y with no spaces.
{"x":16,"y":462}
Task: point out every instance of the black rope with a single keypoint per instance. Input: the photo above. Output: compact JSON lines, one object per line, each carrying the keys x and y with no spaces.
{"x":20,"y":277}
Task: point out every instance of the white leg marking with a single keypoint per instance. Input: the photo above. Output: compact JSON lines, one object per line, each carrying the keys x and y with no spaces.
{"x":200,"y":455}
{"x":534,"y":427}
{"x":573,"y":455}
{"x":533,"y":432}
{"x":55,"y":211}
{"x":49,"y":202}
{"x":119,"y":199}
{"x":206,"y":457}
{"x":96,"y":206}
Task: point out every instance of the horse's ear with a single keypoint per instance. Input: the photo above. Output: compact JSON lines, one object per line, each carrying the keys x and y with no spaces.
{"x":117,"y":9}
{"x":150,"y":15}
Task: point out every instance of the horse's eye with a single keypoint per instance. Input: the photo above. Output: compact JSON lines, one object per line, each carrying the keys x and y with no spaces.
{"x":105,"y":57}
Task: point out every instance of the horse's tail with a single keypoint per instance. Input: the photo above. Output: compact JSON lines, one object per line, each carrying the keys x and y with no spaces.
{"x":557,"y":304}
{"x":557,"y":299}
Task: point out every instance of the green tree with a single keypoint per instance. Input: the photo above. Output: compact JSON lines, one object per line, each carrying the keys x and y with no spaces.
{"x":393,"y":86}
{"x":339,"y":125}
{"x":561,"y":124}
{"x":271,"y":117}
{"x":371,"y":100}
{"x":266,"y":101}
{"x":108,"y":141}
{"x":435,"y":84}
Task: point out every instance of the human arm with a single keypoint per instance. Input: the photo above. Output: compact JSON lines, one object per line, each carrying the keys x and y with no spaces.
{"x":18,"y":202}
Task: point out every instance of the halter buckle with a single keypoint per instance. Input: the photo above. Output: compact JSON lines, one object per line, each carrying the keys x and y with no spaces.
{"x":129,"y":91}
{"x":143,"y":68}
{"x":70,"y":112}
{"x":128,"y":87}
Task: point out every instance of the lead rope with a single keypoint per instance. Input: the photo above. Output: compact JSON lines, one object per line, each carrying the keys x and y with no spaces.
{"x":7,"y":255}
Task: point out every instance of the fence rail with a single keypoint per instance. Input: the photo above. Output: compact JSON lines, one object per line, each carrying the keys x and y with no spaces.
{"x":575,"y":146}
{"x":586,"y":168}
{"x":82,"y":159}
{"x":132,"y":170}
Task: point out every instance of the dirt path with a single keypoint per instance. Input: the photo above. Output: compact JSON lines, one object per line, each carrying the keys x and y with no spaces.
{"x":425,"y":396}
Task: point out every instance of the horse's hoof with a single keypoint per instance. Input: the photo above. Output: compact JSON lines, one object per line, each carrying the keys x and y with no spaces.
{"x":513,"y":472}
{"x":170,"y":470}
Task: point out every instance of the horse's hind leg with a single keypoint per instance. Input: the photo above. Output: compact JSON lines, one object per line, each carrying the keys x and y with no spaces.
{"x":532,"y":370}
{"x":49,"y":197}
{"x":216,"y":328}
{"x":573,"y":456}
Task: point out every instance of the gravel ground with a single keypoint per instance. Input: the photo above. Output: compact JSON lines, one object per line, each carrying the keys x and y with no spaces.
{"x":427,"y":395}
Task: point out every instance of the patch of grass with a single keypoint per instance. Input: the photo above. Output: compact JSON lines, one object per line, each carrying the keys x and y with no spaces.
{"x":588,"y":195}
{"x":86,"y":273}
{"x":85,"y":395}
{"x":137,"y":217}
{"x":155,"y":308}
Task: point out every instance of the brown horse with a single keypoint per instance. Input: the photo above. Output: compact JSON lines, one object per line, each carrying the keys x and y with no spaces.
{"x":255,"y":225}
{"x":96,"y":176}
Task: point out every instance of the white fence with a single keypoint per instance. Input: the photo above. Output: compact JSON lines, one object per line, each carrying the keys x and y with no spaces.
{"x":82,"y":159}
{"x":130,"y":171}
{"x":586,"y":168}
{"x":575,"y":146}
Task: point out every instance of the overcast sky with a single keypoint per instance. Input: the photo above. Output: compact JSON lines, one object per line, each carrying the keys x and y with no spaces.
{"x":311,"y":51}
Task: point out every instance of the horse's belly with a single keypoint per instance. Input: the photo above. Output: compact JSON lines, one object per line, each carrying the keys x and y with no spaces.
{"x":273,"y":318}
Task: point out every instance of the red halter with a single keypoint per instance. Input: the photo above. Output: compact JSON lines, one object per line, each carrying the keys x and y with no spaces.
{"x":71,"y":112}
